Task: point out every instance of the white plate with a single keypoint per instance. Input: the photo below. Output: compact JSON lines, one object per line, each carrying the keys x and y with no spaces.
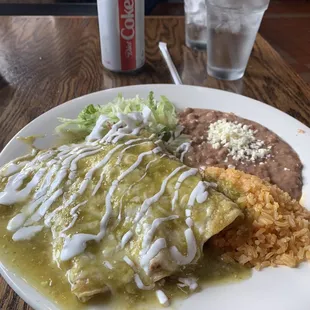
{"x":271,"y":289}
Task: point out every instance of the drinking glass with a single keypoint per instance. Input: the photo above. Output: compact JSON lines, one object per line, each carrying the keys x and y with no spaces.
{"x":232,"y":26}
{"x":195,"y":24}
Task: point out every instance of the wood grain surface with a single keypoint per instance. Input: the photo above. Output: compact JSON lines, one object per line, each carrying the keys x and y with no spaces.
{"x":45,"y":61}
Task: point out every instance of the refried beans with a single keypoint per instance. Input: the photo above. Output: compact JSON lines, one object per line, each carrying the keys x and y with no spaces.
{"x":282,"y":167}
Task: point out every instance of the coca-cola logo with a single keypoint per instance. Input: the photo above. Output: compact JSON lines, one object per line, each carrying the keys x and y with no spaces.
{"x":127,"y":26}
{"x":128,"y":31}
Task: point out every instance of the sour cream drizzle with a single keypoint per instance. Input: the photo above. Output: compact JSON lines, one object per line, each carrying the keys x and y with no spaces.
{"x":59,"y":167}
{"x":11,"y":193}
{"x":141,"y":285}
{"x":190,"y":282}
{"x":76,"y":244}
{"x":73,"y":213}
{"x":96,"y":133}
{"x":183,"y":149}
{"x":137,"y":278}
{"x":13,"y":168}
{"x":191,"y":249}
{"x":149,"y":201}
{"x":162,"y":298}
{"x":108,"y":157}
{"x":199,"y":194}
{"x":154,"y":249}
{"x":148,"y":236}
{"x":181,"y":179}
{"x":132,"y":185}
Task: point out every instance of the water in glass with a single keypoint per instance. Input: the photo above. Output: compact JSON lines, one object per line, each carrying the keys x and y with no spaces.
{"x":232,"y":28}
{"x":195,"y":24}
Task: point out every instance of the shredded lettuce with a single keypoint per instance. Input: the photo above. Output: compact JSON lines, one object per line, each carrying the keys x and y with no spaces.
{"x":162,"y":121}
{"x":163,"y":116}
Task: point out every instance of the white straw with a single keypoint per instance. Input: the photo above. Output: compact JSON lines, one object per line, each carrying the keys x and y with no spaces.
{"x":173,"y":71}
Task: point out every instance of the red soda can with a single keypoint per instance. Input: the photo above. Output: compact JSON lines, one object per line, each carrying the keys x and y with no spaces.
{"x":121,"y":29}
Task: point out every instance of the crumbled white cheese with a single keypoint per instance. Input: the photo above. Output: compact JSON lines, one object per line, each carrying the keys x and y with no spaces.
{"x":239,"y":139}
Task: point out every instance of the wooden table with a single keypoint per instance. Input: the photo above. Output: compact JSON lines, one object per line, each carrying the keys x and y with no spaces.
{"x":45,"y":61}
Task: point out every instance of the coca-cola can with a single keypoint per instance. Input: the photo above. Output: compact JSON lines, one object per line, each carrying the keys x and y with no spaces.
{"x":121,"y":28}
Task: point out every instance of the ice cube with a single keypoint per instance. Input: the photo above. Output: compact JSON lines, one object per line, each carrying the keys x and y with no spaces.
{"x":194,"y":6}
